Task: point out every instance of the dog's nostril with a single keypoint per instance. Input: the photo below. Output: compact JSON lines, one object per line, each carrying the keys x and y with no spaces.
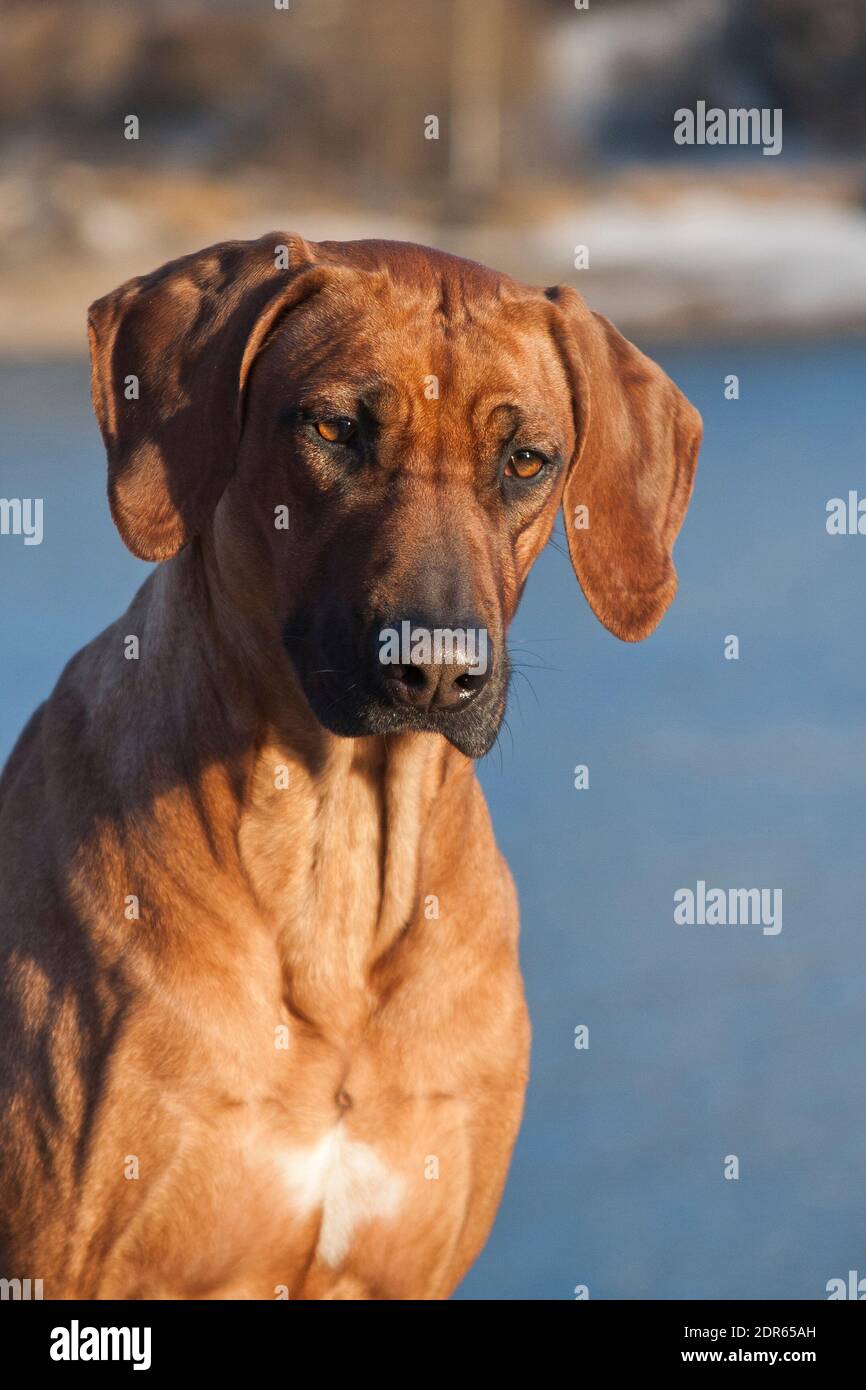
{"x":433,"y":687}
{"x":415,"y":677}
{"x":431,"y":668}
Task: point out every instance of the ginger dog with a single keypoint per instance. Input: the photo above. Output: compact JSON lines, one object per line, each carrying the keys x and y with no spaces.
{"x":263,"y":1025}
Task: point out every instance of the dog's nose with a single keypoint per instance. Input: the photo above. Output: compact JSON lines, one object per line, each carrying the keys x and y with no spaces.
{"x":430,"y":687}
{"x":433,"y":669}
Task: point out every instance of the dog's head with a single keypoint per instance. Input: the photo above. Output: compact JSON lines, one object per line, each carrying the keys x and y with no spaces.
{"x":371,"y":440}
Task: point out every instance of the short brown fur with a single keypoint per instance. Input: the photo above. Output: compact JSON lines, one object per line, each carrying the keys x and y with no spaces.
{"x":151,"y":1116}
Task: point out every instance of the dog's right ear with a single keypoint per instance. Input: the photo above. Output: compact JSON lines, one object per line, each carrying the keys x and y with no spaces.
{"x":170,"y":353}
{"x":632,"y":472}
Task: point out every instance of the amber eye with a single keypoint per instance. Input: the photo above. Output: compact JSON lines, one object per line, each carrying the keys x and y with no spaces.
{"x":337,"y":431}
{"x":524,"y":464}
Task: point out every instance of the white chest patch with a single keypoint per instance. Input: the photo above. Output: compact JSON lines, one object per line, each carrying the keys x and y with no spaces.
{"x":347,"y":1180}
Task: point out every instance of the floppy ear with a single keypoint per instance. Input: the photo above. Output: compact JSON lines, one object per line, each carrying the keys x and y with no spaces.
{"x":632,"y":471}
{"x":170,"y":353}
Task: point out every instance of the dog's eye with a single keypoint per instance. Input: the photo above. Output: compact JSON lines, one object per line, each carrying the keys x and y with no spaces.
{"x":337,"y":431}
{"x":524,"y":463}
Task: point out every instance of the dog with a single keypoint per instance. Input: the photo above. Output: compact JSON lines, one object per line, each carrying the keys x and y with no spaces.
{"x":263,"y":1026}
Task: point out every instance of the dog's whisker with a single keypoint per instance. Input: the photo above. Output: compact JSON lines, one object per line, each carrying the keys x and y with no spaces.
{"x":534,"y":666}
{"x":342,"y":696}
{"x":518,"y":672}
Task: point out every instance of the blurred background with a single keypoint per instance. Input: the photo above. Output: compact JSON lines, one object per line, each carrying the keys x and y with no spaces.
{"x":555,"y":130}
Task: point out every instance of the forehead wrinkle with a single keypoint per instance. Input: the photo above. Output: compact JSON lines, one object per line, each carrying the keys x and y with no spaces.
{"x":503,"y":416}
{"x":453,"y":310}
{"x":435,"y":449}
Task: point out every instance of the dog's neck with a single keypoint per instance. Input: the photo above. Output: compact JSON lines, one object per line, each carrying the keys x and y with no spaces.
{"x":321,"y":838}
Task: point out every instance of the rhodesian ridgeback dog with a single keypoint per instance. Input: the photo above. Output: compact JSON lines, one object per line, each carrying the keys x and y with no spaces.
{"x":263,"y":1026}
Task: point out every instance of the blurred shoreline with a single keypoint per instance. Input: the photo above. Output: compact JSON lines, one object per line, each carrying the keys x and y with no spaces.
{"x":673,"y":253}
{"x":507,"y":131}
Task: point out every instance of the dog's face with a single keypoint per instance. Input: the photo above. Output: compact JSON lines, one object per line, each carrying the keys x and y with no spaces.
{"x":375,"y":442}
{"x":419,"y":445}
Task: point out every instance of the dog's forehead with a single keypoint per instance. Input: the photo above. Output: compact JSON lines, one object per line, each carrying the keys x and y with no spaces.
{"x":423,"y":270}
{"x":414,"y":312}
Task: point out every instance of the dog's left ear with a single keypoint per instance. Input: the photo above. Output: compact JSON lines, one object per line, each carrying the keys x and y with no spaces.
{"x":170,"y":354}
{"x":632,"y":472}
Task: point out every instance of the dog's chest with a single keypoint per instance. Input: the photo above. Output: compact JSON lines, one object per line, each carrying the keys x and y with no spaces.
{"x":347,"y":1171}
{"x":286,"y":1168}
{"x":277,"y":1210}
{"x":335,"y":1140}
{"x":341,"y":1181}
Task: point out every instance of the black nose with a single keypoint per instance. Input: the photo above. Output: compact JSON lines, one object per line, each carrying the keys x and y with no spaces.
{"x":432,"y":668}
